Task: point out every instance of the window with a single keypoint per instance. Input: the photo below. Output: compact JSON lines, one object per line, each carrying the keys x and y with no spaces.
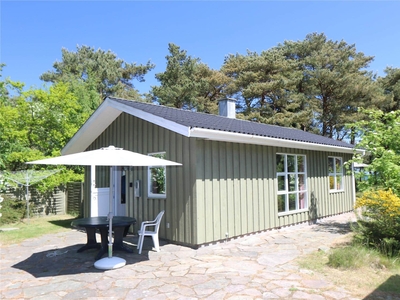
{"x":292,"y":182}
{"x":157,"y":179}
{"x":335,"y":167}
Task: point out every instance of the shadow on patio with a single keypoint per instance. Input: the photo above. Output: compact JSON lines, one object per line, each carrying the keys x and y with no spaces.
{"x":67,"y":261}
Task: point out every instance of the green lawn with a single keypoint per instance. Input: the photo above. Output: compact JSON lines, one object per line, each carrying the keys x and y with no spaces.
{"x":364,"y":272}
{"x":34,"y":227}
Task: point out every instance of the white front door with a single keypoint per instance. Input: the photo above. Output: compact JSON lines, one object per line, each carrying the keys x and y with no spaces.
{"x":100,"y":198}
{"x":120,"y":192}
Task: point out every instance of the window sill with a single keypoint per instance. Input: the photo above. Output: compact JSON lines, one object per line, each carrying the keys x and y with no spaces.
{"x":155,"y":196}
{"x":292,"y":212}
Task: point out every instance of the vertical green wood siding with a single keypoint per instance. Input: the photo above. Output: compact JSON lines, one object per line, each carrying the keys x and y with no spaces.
{"x":136,"y":135}
{"x":237,"y":187}
{"x":221,"y":188}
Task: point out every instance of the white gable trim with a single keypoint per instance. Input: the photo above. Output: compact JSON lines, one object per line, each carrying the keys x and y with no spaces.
{"x":109,"y":110}
{"x":216,"y":135}
{"x":104,"y":115}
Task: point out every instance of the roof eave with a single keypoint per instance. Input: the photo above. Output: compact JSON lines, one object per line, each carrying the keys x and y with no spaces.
{"x":266,"y":141}
{"x":104,"y":115}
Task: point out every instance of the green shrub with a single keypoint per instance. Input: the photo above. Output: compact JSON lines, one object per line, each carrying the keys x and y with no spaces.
{"x":346,"y":258}
{"x":357,"y":256}
{"x":12,"y":210}
{"x":379,"y":223}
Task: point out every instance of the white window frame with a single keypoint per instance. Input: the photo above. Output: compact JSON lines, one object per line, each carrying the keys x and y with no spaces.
{"x":297,"y":191}
{"x":335,"y":174}
{"x":150,"y":192}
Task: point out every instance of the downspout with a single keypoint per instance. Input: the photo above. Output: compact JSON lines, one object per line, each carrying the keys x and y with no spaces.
{"x":353,"y":185}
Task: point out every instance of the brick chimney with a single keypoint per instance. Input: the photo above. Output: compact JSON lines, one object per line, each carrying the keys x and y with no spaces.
{"x":227,"y":108}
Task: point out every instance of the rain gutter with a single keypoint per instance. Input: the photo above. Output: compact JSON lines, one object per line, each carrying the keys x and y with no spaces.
{"x":233,"y":137}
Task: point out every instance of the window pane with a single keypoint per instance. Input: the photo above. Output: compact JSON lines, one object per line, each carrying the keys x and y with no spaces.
{"x":331,"y":168}
{"x":281,"y":183}
{"x":280,"y":163}
{"x":292,"y":201}
{"x":339,"y":183}
{"x":281,"y":203}
{"x":331,"y":182}
{"x":158,"y":180}
{"x":300,"y":163}
{"x":291,"y":163}
{"x":302,"y":184}
{"x":338,"y":165}
{"x":302,"y":200}
{"x":292,"y":182}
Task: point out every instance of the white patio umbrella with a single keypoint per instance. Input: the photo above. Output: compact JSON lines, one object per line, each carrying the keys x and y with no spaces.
{"x":107,"y":156}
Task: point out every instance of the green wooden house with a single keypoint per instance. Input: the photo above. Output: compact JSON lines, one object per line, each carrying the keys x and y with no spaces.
{"x":237,"y":177}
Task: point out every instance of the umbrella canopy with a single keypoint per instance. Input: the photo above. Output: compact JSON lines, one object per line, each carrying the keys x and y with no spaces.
{"x":108,"y":156}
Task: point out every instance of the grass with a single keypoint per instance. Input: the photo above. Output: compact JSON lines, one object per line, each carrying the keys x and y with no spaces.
{"x":364,"y":272}
{"x":34,"y":227}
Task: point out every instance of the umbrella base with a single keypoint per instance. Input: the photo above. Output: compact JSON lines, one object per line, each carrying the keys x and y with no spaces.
{"x":109,"y":263}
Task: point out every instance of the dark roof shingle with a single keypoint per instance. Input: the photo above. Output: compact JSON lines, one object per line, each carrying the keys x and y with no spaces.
{"x":214,"y":122}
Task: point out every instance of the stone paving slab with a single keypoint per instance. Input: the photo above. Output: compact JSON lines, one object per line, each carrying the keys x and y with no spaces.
{"x":259,"y":266}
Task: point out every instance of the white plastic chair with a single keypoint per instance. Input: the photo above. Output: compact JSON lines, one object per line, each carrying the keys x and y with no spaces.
{"x":154,"y":234}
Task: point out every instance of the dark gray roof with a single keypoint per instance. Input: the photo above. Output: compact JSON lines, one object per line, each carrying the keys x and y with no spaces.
{"x":215,"y":122}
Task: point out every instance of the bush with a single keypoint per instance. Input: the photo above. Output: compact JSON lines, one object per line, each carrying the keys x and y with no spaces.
{"x":379,"y":224}
{"x":12,"y":210}
{"x":346,"y":258}
{"x":354,"y":257}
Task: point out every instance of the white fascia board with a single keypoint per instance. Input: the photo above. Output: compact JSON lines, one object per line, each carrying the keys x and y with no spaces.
{"x":104,"y":115}
{"x":170,"y":125}
{"x":261,"y":140}
{"x":93,"y":127}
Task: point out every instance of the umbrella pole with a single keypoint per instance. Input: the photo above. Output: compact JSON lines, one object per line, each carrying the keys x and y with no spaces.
{"x":110,"y":262}
{"x":111,"y":211}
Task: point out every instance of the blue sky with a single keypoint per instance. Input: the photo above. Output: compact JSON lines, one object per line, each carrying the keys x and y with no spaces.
{"x":34,"y":32}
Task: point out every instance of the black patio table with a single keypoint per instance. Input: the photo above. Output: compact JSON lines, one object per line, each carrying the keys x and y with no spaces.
{"x":120,"y":226}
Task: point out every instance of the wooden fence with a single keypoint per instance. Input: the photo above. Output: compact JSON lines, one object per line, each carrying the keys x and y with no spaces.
{"x":60,"y":201}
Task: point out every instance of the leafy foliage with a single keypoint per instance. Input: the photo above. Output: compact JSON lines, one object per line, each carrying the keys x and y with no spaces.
{"x":187,"y":83}
{"x":12,"y":210}
{"x":334,"y":77}
{"x":38,"y":123}
{"x":263,"y":83}
{"x":315,"y":85}
{"x":391,"y":87}
{"x":379,"y":225}
{"x":99,"y":69}
{"x":35,"y":124}
{"x":380,"y":136}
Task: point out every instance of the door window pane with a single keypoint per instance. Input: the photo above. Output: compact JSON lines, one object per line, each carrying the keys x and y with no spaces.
{"x":157,"y":179}
{"x":281,"y":183}
{"x":302,"y":184}
{"x":292,"y":201}
{"x":335,"y":167}
{"x":281,"y":203}
{"x":331,"y":166}
{"x":291,"y":163}
{"x":302,"y":200}
{"x":292,"y":182}
{"x":339,"y":184}
{"x":280,"y":163}
{"x":300,"y":163}
{"x":338,"y":165}
{"x":331,"y":182}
